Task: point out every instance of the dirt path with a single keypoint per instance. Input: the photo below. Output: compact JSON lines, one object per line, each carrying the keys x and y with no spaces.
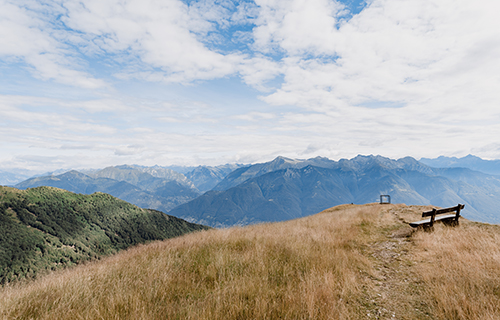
{"x":391,"y":289}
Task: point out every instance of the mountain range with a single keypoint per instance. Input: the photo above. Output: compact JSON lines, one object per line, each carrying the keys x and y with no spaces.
{"x":286,"y":188}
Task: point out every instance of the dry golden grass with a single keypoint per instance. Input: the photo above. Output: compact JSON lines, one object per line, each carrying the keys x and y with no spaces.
{"x":460,"y":271}
{"x":348,"y":262}
{"x":302,"y":269}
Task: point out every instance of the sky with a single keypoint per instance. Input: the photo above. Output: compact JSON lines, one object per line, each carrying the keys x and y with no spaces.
{"x":95,"y":83}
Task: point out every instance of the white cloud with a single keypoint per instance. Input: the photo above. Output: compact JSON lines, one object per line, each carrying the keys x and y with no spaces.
{"x":162,"y":35}
{"x":25,"y":37}
{"x":298,"y":26}
{"x":258,"y":70}
{"x":166,"y":41}
{"x":255,"y":116}
{"x":408,"y":51}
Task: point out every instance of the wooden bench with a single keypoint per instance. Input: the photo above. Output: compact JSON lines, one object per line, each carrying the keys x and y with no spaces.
{"x":449,"y":219}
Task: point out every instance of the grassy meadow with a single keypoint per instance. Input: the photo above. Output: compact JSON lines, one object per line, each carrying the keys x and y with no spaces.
{"x":347,"y":262}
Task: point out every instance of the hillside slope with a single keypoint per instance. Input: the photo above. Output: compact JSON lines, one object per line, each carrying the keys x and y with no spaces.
{"x":47,"y":228}
{"x":348,"y":262}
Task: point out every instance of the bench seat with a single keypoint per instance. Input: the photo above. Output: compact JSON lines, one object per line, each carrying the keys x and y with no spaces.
{"x":428,"y":221}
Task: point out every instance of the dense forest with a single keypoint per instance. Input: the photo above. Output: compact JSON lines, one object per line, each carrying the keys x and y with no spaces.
{"x":47,"y":228}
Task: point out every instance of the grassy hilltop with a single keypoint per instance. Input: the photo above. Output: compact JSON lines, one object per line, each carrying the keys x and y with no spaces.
{"x":47,"y":228}
{"x":348,"y":262}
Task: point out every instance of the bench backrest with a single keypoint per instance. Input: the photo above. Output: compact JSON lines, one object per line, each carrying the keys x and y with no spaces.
{"x":445,"y":210}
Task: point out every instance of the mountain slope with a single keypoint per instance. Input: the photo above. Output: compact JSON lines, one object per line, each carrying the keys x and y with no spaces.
{"x":46,"y":228}
{"x":348,"y":262}
{"x":241,"y":175}
{"x":279,"y":195}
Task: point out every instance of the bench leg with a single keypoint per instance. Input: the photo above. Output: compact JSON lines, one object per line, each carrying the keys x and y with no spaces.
{"x":433,"y":217}
{"x":457,"y":216}
{"x":426,"y":227}
{"x":450,"y":223}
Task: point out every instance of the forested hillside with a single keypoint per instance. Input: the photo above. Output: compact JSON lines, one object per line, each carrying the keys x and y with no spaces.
{"x":47,"y":228}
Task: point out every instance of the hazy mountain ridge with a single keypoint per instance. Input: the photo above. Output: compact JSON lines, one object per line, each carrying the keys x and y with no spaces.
{"x":206,"y":177}
{"x":10,"y":178}
{"x":47,"y":228}
{"x":357,"y":163}
{"x":469,"y":161}
{"x":127,"y":183}
{"x":165,"y":173}
{"x":141,"y":178}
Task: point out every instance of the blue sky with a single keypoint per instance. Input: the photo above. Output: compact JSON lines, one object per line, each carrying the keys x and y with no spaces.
{"x":88,"y":84}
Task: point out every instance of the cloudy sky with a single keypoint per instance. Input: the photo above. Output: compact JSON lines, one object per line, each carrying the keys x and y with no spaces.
{"x":87,"y":84}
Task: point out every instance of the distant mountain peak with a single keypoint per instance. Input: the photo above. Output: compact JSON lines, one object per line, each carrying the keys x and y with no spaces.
{"x":320,"y":158}
{"x":281,"y":159}
{"x":72,"y":174}
{"x":470,"y":156}
{"x":125,"y":166}
{"x":363,"y":161}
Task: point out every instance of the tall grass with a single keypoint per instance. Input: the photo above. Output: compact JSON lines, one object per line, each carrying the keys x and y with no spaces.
{"x":349,"y":262}
{"x":302,"y":269}
{"x":460,"y":271}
